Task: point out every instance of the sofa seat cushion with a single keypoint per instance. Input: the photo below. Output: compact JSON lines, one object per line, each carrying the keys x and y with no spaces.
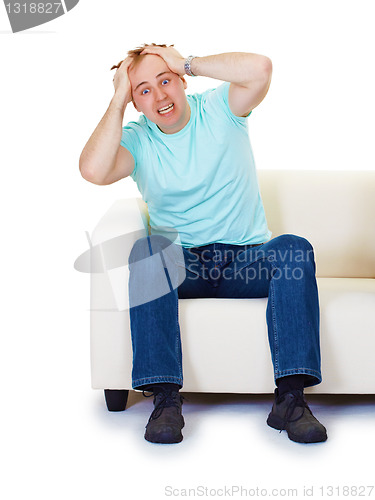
{"x":225,"y":342}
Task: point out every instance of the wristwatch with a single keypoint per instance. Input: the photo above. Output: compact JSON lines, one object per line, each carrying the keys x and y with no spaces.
{"x":187,"y":66}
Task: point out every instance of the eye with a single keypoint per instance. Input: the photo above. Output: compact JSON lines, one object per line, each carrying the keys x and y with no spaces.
{"x":145,"y":91}
{"x":164,"y":82}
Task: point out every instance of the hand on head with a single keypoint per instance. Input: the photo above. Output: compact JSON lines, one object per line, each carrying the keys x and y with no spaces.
{"x":121,"y":80}
{"x":171,"y":56}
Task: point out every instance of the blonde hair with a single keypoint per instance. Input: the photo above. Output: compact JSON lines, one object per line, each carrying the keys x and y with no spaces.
{"x":135,"y":54}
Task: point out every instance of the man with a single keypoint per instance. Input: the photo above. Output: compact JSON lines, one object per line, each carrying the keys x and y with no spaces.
{"x":192,"y":161}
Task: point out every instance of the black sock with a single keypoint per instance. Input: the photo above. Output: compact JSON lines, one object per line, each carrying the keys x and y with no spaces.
{"x":290,"y":383}
{"x":156,"y":388}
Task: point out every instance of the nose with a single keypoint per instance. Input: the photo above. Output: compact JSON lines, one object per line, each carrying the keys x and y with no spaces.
{"x":160,"y":94}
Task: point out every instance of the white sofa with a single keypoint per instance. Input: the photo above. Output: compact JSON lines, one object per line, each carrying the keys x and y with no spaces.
{"x":335,"y":211}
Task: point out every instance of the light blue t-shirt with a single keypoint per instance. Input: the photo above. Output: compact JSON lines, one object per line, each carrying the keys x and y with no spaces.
{"x":202,"y":180}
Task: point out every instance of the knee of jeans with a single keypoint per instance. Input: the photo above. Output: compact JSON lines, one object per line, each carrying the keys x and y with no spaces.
{"x":292,"y":251}
{"x":296,"y":243}
{"x":303,"y":250}
{"x":149,"y":245}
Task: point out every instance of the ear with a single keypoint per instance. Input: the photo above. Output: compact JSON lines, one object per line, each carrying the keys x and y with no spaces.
{"x":134,"y":104}
{"x":184,"y":82}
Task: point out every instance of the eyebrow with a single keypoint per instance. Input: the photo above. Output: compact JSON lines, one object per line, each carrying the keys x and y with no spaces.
{"x":157,"y":76}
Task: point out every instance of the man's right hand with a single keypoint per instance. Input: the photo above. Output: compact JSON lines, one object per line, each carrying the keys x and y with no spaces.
{"x":121,"y":81}
{"x":103,"y":160}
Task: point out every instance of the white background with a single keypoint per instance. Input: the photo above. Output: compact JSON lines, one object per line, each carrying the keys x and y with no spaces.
{"x":58,"y":440}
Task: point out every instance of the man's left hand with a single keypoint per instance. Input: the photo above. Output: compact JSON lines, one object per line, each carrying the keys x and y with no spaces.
{"x":171,"y":56}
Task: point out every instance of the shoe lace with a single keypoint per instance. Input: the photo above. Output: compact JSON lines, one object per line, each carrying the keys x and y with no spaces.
{"x":166,"y":399}
{"x":297,"y":401}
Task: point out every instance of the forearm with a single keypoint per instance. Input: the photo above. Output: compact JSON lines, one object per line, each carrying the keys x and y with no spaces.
{"x":99,"y":154}
{"x":235,"y":67}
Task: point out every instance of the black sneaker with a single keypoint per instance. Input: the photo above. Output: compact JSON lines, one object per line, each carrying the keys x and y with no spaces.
{"x":290,"y":412}
{"x":166,"y":421}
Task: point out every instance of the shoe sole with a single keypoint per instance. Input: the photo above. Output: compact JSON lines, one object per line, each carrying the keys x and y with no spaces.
{"x":276,"y":423}
{"x":165,"y":437}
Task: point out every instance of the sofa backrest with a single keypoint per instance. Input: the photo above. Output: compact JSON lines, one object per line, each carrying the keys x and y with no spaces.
{"x":334,"y":210}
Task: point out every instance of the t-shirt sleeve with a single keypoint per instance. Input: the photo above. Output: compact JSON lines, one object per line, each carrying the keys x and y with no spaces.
{"x":130,"y":141}
{"x":216,"y":100}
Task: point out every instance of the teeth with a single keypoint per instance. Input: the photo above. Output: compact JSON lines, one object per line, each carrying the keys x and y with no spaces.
{"x":165,"y":109}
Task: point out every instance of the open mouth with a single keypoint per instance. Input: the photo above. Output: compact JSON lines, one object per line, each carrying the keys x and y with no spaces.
{"x":166,"y":109}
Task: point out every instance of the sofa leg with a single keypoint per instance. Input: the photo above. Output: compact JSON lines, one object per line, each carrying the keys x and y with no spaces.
{"x":116,"y":399}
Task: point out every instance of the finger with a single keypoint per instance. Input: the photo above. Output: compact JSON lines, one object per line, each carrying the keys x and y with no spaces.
{"x":117,"y":66}
{"x":126,"y":62}
{"x":150,"y":50}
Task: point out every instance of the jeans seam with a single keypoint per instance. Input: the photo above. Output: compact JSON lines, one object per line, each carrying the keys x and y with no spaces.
{"x":297,"y":369}
{"x":248,"y":264}
{"x":271,"y":296}
{"x":178,"y":340}
{"x":155,"y":379}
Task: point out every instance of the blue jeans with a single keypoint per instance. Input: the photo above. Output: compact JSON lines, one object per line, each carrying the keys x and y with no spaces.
{"x":283,"y":269}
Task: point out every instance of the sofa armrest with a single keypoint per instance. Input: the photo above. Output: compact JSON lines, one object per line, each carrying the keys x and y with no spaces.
{"x":111,"y":242}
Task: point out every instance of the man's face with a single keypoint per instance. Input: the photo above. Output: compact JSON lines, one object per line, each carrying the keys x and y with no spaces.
{"x":159,"y":94}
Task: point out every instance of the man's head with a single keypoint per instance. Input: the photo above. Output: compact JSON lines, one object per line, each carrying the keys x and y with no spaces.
{"x":158,"y":92}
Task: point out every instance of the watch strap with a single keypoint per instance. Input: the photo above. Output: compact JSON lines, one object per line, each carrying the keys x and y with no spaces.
{"x":187,"y":66}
